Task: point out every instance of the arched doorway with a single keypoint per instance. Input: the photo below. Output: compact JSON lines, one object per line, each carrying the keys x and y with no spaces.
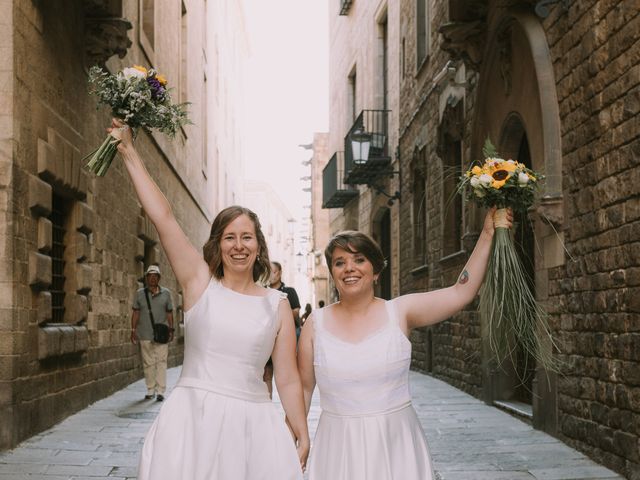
{"x":517,"y":108}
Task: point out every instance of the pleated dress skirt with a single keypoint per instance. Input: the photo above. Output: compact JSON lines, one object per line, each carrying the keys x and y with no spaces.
{"x":388,"y":446}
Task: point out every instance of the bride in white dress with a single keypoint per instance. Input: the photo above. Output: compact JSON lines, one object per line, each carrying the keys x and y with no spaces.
{"x":358,"y":353}
{"x":219,"y":421}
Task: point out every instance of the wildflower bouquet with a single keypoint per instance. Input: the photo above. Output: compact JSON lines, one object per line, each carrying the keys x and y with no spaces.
{"x":141,"y":99}
{"x":506,"y":301}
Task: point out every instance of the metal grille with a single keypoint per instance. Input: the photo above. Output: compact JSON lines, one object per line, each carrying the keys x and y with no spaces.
{"x":58,"y":217}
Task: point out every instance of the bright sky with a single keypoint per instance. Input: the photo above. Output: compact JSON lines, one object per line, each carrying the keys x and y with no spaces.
{"x":288,"y":93}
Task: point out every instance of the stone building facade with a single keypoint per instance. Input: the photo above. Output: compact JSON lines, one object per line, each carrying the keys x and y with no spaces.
{"x":73,"y":248}
{"x":555,"y":85}
{"x":364,"y":89}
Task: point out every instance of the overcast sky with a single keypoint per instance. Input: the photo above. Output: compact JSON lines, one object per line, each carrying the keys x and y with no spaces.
{"x":287,"y":98}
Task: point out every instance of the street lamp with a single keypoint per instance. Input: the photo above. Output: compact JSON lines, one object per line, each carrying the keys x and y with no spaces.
{"x":360,"y":143}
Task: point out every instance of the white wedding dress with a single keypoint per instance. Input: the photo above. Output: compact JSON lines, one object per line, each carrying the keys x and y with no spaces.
{"x":368,"y":429}
{"x":219,"y":423}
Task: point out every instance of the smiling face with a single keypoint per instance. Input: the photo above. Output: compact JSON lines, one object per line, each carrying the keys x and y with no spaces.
{"x":239,"y":246}
{"x":352,"y":273}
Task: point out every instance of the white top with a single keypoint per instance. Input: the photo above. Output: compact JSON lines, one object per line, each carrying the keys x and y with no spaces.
{"x":365,"y":378}
{"x":229,"y":337}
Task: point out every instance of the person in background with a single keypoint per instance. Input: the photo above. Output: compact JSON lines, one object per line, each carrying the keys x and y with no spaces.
{"x":154,"y":355}
{"x":275,"y":282}
{"x":305,"y":315}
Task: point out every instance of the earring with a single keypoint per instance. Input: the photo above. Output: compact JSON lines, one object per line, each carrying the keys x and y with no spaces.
{"x":258,"y":257}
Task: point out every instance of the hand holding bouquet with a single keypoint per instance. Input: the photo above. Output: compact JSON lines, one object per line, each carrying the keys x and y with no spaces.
{"x":506,"y":300}
{"x":141,"y":99}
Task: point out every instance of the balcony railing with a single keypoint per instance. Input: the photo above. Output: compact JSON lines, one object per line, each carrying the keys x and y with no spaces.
{"x":345,"y":5}
{"x":375,"y":124}
{"x":335,"y":194}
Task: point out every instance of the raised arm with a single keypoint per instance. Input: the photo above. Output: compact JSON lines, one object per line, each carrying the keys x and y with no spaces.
{"x":191,"y":271}
{"x":422,"y":309}
{"x":288,"y":380}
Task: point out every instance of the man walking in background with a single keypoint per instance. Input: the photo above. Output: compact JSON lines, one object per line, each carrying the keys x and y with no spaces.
{"x":276,"y":283}
{"x":153,"y":300}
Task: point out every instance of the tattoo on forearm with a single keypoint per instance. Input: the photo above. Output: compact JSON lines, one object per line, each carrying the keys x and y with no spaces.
{"x":464,"y":277}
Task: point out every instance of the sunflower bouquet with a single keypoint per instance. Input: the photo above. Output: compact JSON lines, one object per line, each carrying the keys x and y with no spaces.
{"x":140,"y":97}
{"x":506,"y":300}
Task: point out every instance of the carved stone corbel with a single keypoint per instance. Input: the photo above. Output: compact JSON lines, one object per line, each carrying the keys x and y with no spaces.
{"x":105,"y":31}
{"x":551,"y":211}
{"x":465,"y":41}
{"x":105,"y":37}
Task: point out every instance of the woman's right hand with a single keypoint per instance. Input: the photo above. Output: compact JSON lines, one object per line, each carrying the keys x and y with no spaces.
{"x":121,"y":131}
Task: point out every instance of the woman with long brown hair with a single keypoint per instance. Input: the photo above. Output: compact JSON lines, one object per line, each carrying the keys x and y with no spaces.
{"x":219,"y":421}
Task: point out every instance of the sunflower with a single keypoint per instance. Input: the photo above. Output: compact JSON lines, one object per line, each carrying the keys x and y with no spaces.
{"x":500,"y":177}
{"x":141,"y":68}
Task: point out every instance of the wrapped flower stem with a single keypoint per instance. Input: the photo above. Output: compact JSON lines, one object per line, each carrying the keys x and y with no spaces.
{"x":515,"y":318}
{"x":100,"y":159}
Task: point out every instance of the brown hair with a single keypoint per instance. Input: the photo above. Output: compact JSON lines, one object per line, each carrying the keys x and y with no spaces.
{"x":211,"y":250}
{"x":356,"y":242}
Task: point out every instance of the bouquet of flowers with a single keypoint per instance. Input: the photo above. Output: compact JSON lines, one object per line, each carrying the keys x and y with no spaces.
{"x":506,"y":300}
{"x":139,"y":97}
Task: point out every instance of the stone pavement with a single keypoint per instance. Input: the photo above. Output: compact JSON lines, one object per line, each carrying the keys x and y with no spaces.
{"x":469,"y":441}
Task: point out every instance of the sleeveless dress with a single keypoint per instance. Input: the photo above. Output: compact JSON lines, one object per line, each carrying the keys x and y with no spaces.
{"x":368,"y":429}
{"x":219,"y":423}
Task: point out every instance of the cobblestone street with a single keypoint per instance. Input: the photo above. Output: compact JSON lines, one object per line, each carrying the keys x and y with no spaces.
{"x":469,"y":441}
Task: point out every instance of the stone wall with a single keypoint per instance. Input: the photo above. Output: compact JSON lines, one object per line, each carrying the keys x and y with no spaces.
{"x":51,"y":369}
{"x":596,"y":51}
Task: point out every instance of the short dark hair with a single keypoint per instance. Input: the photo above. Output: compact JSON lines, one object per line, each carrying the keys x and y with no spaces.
{"x":277,"y":264}
{"x":356,"y":242}
{"x":211,"y":249}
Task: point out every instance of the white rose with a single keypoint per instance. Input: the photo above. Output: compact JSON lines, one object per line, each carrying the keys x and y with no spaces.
{"x":474,"y":182}
{"x":523,"y":179}
{"x":486,"y":179}
{"x":133,"y":72}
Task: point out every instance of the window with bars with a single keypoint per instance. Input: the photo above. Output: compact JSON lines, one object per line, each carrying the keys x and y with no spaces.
{"x":60,"y":209}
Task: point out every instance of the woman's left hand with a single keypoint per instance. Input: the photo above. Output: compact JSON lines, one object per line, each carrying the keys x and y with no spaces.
{"x":303,"y":452}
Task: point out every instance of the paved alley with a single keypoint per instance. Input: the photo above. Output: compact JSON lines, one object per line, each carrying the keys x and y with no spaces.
{"x":469,"y":441}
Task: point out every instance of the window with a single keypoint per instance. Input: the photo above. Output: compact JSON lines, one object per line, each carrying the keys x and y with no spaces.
{"x":147,"y":28}
{"x":419,"y":207}
{"x":183,"y":55}
{"x":204,"y":124}
{"x":402,"y":60}
{"x":60,"y":208}
{"x":385,"y":63}
{"x":352,"y":94}
{"x":452,"y":235}
{"x":422,"y":31}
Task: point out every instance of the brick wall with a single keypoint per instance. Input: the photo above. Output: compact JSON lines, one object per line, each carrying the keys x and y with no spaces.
{"x":596,"y":53}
